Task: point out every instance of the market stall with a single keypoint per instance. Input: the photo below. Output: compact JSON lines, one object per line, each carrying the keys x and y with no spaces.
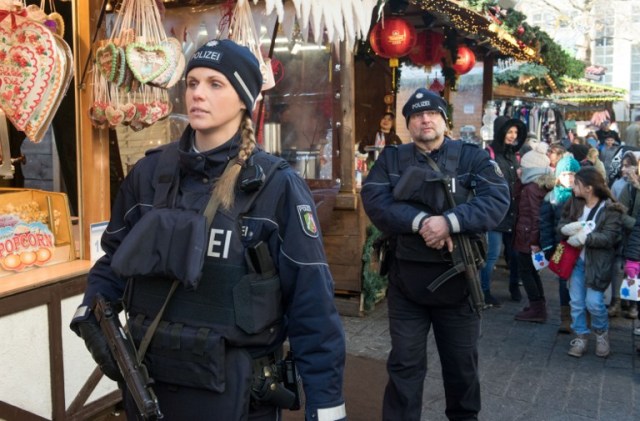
{"x":48,"y":372}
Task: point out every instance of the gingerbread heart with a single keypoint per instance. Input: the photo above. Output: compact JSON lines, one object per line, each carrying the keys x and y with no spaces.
{"x":121,"y":72}
{"x":147,"y":62}
{"x":142,"y":110}
{"x":107,"y":60}
{"x":60,"y":80}
{"x":175,"y":52}
{"x":178,"y":72}
{"x":35,"y":13}
{"x":59,"y":22}
{"x":27,"y":58}
{"x":114,"y":115}
{"x":129,"y":111}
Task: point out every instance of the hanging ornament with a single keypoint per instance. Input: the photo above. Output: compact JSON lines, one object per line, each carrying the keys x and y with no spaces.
{"x":436,"y":86}
{"x":465,"y":61}
{"x":392,"y":38}
{"x":428,"y":49}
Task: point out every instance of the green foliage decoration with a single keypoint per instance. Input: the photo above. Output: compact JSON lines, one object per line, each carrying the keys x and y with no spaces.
{"x":373,"y":284}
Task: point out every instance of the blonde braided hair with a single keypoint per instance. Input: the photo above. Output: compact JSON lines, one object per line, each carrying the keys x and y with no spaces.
{"x":224,"y":191}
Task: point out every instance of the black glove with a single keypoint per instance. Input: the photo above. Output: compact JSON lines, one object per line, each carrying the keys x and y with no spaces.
{"x":96,"y":343}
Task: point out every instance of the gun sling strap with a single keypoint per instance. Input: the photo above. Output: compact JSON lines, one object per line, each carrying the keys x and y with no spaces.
{"x":452,"y":158}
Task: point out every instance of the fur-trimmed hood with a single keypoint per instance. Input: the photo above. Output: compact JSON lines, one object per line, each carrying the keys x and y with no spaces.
{"x":500,"y":127}
{"x":546,"y":181}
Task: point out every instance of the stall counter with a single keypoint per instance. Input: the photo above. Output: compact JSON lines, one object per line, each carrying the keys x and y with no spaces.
{"x":47,"y":373}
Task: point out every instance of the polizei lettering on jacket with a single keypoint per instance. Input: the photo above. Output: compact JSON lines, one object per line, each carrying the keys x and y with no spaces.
{"x":219,"y":243}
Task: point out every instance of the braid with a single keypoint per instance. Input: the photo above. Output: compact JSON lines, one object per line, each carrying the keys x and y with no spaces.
{"x":224,"y":191}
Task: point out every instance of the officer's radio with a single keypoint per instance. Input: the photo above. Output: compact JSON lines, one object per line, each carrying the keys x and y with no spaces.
{"x":252,"y":177}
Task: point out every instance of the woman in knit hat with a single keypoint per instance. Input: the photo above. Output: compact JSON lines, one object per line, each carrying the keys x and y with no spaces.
{"x":536,"y":180}
{"x":256,"y":269}
{"x":550,"y":214}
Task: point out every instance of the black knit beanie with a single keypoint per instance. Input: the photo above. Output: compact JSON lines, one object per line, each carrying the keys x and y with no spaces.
{"x":236,"y":62}
{"x":424,"y":100}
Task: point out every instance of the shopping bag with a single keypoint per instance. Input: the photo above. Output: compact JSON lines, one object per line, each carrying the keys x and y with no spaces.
{"x":539,"y":261}
{"x":629,"y":289}
{"x":564,"y":259}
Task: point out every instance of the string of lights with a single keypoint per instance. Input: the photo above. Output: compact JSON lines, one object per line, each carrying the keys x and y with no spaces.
{"x":476,"y":25}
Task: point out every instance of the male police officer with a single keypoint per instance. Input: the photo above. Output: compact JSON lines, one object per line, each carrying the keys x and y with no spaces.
{"x":421,"y":225}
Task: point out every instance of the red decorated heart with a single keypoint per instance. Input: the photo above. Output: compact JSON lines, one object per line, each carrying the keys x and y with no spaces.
{"x":27,"y":56}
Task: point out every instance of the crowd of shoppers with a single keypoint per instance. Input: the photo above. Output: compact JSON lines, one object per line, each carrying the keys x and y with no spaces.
{"x":574,"y":192}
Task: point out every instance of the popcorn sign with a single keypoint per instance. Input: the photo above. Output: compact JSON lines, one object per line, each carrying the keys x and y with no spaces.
{"x":24,"y":244}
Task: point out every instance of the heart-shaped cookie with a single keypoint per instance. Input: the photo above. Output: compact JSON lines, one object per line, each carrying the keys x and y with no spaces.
{"x":59,"y":82}
{"x":147,"y":62}
{"x":35,"y":13}
{"x":175,"y":52}
{"x":59,"y":21}
{"x":178,"y":72}
{"x":129,"y":110}
{"x":121,"y":73}
{"x":97,"y":115}
{"x":115,"y":116}
{"x":27,"y":56}
{"x":107,"y":58}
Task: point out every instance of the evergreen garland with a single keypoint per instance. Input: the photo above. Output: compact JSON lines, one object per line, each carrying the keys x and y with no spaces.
{"x":372,"y":282}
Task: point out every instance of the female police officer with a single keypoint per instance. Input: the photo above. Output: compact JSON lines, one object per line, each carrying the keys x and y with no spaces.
{"x":263,"y":276}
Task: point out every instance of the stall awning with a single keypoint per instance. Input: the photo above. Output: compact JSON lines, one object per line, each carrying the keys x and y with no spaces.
{"x":582,"y":91}
{"x":338,"y":20}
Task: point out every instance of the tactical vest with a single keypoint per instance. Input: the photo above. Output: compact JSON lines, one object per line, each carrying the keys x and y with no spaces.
{"x":233,"y":304}
{"x":432,"y":200}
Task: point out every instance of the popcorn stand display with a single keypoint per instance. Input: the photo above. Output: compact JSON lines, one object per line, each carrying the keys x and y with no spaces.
{"x":35,"y":230}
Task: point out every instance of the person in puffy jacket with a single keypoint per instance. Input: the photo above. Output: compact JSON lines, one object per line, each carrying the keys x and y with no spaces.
{"x":592,"y":222}
{"x":536,"y":181}
{"x":262,"y":279}
{"x":509,"y":134}
{"x":550,"y":215}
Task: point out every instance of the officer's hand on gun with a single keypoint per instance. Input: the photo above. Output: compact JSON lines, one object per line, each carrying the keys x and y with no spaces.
{"x":96,"y":343}
{"x":435,"y":232}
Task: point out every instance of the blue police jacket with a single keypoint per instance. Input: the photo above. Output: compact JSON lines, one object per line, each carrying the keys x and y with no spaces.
{"x":476,"y":172}
{"x":284,"y":217}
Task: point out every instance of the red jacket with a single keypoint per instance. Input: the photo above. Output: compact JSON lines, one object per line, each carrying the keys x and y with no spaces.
{"x":527,"y":227}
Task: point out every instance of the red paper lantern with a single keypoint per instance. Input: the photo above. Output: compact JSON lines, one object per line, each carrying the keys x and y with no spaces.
{"x":466,"y":60}
{"x":428,"y":49}
{"x":396,"y":39}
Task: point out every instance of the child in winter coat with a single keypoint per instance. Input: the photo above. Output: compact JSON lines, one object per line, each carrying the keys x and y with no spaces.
{"x":536,"y":180}
{"x":628,"y":197}
{"x":592,"y":221}
{"x":550,"y":215}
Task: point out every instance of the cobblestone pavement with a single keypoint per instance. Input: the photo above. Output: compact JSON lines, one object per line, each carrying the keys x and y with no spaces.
{"x":525,"y":372}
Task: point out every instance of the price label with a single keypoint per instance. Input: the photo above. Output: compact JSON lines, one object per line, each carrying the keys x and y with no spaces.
{"x":94,"y":239}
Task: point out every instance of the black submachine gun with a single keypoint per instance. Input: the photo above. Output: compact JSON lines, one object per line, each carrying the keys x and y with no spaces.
{"x":134,"y":372}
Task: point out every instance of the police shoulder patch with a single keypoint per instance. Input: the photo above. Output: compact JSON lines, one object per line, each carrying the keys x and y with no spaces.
{"x":309,"y":226}
{"x":497,"y":169}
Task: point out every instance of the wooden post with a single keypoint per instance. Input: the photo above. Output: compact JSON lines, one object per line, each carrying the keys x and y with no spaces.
{"x":487,"y":79}
{"x":93,"y":144}
{"x":344,"y":113}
